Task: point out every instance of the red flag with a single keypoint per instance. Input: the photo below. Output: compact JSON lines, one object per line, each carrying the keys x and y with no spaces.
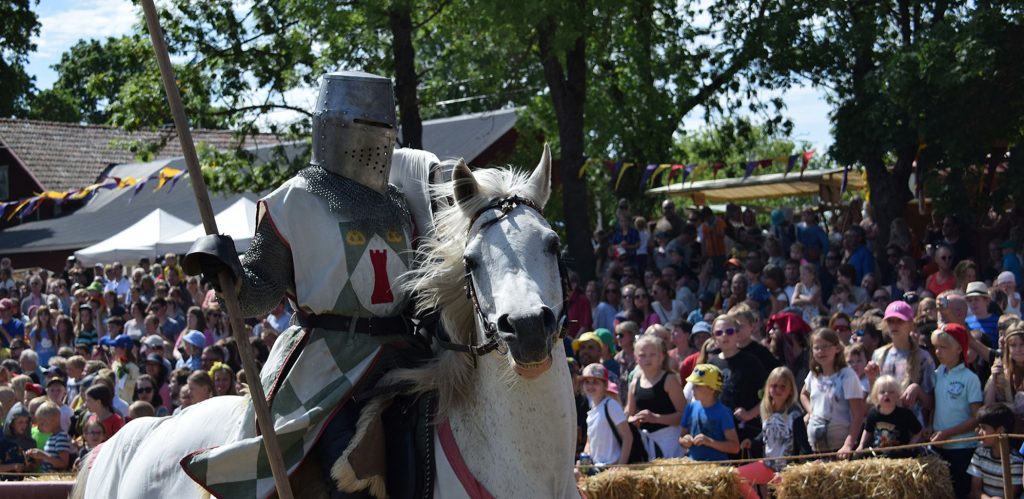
{"x":806,"y":159}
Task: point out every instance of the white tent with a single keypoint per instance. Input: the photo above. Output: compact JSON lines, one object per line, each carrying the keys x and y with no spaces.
{"x":237,"y":221}
{"x":137,"y":241}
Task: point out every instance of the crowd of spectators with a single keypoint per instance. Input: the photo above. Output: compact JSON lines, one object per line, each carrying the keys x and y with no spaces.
{"x":706,"y":335}
{"x":85,"y":350}
{"x":712,"y":336}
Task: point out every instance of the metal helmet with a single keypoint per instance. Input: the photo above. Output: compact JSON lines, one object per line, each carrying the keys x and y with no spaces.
{"x":354,"y":127}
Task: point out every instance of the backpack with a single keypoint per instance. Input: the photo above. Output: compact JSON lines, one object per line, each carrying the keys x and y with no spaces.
{"x":637,"y":452}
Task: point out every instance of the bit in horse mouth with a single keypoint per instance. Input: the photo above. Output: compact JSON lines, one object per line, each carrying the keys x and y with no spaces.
{"x":531,"y":370}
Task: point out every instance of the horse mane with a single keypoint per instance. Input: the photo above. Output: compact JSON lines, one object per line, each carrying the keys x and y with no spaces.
{"x":437,"y":280}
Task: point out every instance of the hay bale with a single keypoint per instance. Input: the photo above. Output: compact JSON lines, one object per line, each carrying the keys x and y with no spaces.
{"x":926,"y":477}
{"x":664,"y":479}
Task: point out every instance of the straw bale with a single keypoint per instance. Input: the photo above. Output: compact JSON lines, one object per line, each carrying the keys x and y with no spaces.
{"x":663,"y":482}
{"x":926,"y":477}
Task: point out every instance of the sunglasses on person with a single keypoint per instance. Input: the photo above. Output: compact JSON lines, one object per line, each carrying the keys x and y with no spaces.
{"x":145,"y":389}
{"x":729,"y":331}
{"x":640,"y":296}
{"x":611,"y":291}
{"x":859,"y":333}
{"x":621,"y":335}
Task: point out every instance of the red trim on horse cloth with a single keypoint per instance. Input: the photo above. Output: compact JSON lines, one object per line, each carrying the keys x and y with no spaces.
{"x":96,"y":455}
{"x":474,"y":489}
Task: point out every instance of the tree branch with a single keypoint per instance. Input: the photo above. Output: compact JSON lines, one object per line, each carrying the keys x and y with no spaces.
{"x":261,"y":108}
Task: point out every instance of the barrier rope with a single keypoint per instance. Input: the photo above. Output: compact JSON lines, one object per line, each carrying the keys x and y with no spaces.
{"x":800,"y":457}
{"x":819,"y":455}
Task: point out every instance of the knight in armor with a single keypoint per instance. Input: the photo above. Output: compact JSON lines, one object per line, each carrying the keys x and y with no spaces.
{"x":333,"y":240}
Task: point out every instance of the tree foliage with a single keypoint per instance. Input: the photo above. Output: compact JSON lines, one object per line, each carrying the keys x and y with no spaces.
{"x":912,"y":82}
{"x":18,"y":23}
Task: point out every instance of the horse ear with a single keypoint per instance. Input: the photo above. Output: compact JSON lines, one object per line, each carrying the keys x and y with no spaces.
{"x":540,"y":179}
{"x":465,"y":183}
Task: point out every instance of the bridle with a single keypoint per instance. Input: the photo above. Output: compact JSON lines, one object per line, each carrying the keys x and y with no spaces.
{"x":492,"y":340}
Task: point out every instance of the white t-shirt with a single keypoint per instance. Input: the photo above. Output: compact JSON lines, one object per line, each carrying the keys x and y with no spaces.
{"x":645,"y":241}
{"x":830,"y":395}
{"x":604,"y":447}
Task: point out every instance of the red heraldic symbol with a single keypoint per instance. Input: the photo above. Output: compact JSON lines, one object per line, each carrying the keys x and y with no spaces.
{"x":381,"y":282}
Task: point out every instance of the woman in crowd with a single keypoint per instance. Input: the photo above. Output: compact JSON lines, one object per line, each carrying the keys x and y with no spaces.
{"x":1006,"y":383}
{"x":965,"y":272}
{"x":223,"y":379}
{"x":906,"y":278}
{"x":42,"y":336}
{"x":136,"y":325}
{"x":642,"y":301}
{"x":99,"y":400}
{"x":943,"y":279}
{"x":146,"y":390}
{"x":665,"y":304}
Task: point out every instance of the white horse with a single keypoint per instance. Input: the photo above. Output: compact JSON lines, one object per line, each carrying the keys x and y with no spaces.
{"x":506,"y":420}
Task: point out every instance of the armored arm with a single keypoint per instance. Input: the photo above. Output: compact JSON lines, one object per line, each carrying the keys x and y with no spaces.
{"x":261,"y":278}
{"x":267,"y":272}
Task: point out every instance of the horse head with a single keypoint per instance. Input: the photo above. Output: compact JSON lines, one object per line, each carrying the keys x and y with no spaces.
{"x":511,"y":265}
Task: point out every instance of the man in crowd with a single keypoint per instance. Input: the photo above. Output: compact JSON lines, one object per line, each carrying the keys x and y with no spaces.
{"x":857,"y":253}
{"x":11,"y":325}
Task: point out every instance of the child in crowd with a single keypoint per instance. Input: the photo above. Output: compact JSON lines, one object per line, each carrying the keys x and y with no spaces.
{"x":832,"y":396}
{"x":857,"y":359}
{"x":904,"y":360}
{"x":783,"y":432}
{"x":957,"y":399}
{"x":56,"y":453}
{"x":782,"y":428}
{"x":193,"y":343}
{"x":17,"y":438}
{"x":842,"y":300}
{"x":85,"y":328}
{"x":608,"y":431}
{"x":807,"y":293}
{"x":200,"y":386}
{"x":708,"y":430}
{"x":94,"y":436}
{"x":888,"y":424}
{"x":655,"y":398}
{"x":746,"y":377}
{"x":986,"y":469}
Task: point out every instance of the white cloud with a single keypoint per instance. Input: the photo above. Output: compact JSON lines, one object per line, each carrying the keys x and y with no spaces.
{"x":84,"y":19}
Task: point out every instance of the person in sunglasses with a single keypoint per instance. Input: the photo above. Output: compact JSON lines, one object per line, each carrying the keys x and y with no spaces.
{"x":743,"y":376}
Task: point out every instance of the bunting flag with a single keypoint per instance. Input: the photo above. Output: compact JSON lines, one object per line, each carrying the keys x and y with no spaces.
{"x":174,"y":180}
{"x":807,"y":155}
{"x":659,"y":172}
{"x":751,"y":165}
{"x":616,"y":169}
{"x":18,"y":208}
{"x":715,"y":167}
{"x":618,"y":178}
{"x":766,"y":163}
{"x":648,"y":173}
{"x":676,"y":169}
{"x":790,"y":163}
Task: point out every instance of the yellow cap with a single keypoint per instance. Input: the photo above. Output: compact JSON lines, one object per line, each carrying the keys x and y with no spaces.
{"x":706,"y":375}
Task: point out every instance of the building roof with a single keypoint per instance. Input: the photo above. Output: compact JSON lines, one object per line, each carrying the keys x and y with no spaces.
{"x":110,"y":211}
{"x":466,"y":136}
{"x":63,"y":156}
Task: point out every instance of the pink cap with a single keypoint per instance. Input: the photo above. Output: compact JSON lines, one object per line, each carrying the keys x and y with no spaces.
{"x":900,"y":310}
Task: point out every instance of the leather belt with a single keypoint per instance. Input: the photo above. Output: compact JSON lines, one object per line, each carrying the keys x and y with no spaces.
{"x":373,"y":326}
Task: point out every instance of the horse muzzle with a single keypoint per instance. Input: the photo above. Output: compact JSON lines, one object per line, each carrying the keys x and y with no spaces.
{"x":529,"y":337}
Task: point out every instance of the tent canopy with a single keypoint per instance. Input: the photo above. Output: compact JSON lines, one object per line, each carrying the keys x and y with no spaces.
{"x":237,"y":221}
{"x":137,"y":241}
{"x":825,"y":183}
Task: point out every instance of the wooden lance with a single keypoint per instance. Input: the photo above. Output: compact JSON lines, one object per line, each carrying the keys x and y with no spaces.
{"x":227,"y":285}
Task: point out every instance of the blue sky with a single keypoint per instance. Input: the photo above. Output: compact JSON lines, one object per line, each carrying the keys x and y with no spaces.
{"x":64,"y":22}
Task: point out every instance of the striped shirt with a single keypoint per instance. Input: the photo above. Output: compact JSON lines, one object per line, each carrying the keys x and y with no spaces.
{"x":57,"y":443}
{"x":990,"y":470}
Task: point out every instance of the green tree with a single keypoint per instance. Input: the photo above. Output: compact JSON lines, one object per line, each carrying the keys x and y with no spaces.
{"x":931,"y":83}
{"x":19,"y":24}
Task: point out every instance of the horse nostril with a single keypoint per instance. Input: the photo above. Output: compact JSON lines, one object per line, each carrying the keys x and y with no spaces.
{"x":550,"y":321}
{"x":504,"y":325}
